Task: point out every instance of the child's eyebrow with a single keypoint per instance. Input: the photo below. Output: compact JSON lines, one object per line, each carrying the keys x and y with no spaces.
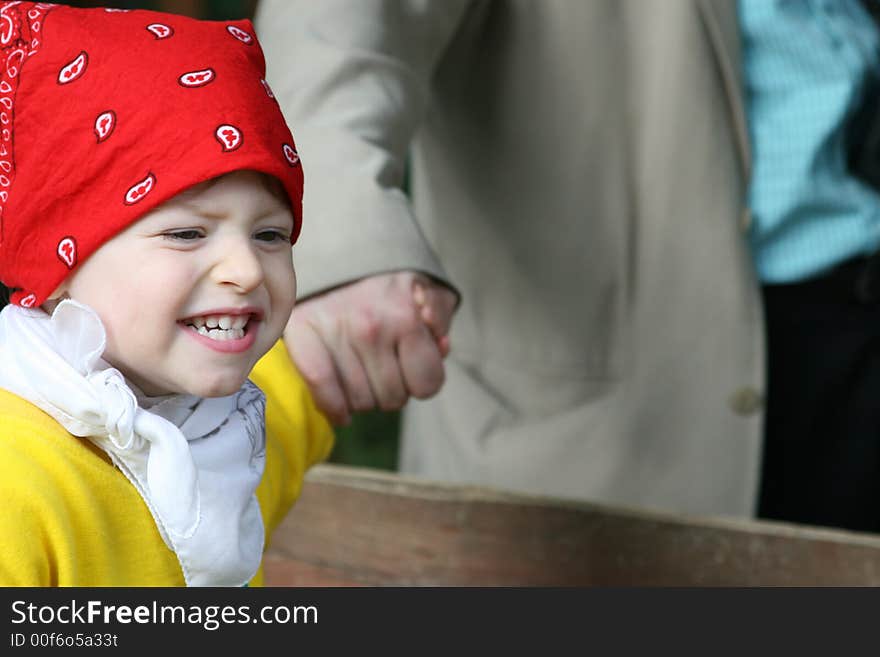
{"x":206,"y":212}
{"x":212,"y":212}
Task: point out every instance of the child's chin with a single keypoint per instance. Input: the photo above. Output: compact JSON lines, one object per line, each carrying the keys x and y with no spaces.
{"x":220,"y":388}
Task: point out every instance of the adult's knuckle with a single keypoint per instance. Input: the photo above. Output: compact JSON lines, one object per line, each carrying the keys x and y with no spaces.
{"x":365,"y":327}
{"x":406,"y":319}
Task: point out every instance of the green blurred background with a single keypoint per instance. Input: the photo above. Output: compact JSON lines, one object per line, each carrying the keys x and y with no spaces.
{"x":372,"y":438}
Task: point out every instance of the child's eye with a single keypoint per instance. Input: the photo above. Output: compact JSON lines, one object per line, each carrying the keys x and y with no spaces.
{"x":183,"y":235}
{"x":272,"y":236}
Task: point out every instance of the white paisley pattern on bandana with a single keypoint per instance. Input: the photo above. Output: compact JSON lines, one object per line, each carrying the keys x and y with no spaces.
{"x":19,"y":39}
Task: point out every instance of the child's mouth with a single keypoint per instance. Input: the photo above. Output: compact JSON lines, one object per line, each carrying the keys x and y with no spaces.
{"x":225,"y":330}
{"x":219,"y":327}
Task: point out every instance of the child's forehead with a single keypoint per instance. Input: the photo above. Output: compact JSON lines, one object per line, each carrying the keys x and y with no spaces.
{"x":242,"y":189}
{"x":242,"y":182}
{"x":244,"y":179}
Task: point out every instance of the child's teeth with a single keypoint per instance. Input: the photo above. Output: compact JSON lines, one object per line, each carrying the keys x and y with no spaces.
{"x":221,"y":334}
{"x":220,"y":327}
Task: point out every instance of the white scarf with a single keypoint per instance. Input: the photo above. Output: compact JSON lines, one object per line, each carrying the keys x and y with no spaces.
{"x":195,"y":462}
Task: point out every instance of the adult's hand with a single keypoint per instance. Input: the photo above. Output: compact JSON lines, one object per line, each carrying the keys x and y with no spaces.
{"x":373,"y":343}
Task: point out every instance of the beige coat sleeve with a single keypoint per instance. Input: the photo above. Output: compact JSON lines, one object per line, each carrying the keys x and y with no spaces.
{"x":352,"y":77}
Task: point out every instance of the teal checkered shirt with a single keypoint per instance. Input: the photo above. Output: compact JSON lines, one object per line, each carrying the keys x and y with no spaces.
{"x":806,"y":67}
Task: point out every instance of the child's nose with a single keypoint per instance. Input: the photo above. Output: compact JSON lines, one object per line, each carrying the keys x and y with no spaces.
{"x":239,"y":266}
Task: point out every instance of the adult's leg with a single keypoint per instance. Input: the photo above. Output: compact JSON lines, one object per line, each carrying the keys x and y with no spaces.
{"x":822,"y":434}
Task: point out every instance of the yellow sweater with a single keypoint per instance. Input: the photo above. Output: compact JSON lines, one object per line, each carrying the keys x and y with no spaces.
{"x":68,"y":517}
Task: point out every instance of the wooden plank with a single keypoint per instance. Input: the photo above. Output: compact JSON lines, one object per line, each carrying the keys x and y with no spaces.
{"x":359,"y":527}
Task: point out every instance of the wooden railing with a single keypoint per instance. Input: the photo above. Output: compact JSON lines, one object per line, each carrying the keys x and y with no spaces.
{"x":359,"y":527}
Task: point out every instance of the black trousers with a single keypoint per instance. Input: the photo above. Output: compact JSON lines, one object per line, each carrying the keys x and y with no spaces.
{"x":821,"y":461}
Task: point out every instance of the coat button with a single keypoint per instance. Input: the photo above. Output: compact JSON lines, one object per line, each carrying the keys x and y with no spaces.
{"x":746,"y":401}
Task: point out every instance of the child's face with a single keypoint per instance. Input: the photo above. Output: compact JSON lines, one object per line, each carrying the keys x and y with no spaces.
{"x":218,"y":253}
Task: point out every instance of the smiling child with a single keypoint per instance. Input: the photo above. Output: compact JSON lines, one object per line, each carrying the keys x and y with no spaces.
{"x":152,"y":429}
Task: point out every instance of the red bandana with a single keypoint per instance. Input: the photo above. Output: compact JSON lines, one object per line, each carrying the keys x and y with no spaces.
{"x":106,"y":113}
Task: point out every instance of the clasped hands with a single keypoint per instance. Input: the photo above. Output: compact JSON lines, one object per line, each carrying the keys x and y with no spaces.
{"x":373,"y":343}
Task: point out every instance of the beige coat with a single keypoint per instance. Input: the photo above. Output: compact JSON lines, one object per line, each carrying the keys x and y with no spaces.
{"x":579,"y":170}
